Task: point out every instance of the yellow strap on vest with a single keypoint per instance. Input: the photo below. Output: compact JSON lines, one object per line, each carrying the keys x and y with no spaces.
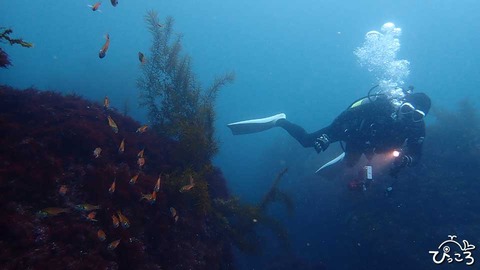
{"x":358,"y":103}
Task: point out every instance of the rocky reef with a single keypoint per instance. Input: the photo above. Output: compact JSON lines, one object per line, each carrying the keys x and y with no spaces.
{"x":73,"y":197}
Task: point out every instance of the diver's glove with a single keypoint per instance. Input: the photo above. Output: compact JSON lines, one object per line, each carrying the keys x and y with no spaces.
{"x":399,"y":163}
{"x":321,"y":143}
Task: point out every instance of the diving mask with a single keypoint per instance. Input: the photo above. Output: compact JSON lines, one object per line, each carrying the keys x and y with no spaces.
{"x":408,"y":109}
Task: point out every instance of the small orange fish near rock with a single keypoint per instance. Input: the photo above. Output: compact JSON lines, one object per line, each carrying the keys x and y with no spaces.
{"x":141,"y":153}
{"x":63,"y":190}
{"x":112,"y":124}
{"x":115,"y":221}
{"x":186,"y":188}
{"x":142,"y":129}
{"x":97,"y":152}
{"x":101,"y":235}
{"x":151,"y":198}
{"x":141,"y":162}
{"x":189,"y":186}
{"x":134,"y":179}
{"x":113,"y":245}
{"x":112,"y":187}
{"x":121,"y":148}
{"x":91,"y":216}
{"x":157,"y":185}
{"x":123,"y":220}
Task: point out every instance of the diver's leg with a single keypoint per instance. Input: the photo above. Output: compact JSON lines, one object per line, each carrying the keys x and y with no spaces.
{"x":304,"y":138}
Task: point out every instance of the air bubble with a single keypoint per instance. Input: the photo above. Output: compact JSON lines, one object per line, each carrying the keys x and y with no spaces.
{"x":379,"y":55}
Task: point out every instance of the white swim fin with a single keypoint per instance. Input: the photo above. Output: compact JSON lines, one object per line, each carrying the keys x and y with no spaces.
{"x":255,"y":125}
{"x":331,"y":162}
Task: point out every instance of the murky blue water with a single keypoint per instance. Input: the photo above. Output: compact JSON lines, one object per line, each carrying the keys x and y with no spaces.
{"x":289,"y":57}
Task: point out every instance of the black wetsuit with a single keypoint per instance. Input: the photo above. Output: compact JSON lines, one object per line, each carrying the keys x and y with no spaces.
{"x":367,"y":128}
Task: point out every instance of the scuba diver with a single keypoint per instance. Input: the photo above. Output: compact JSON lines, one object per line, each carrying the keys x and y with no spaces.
{"x":371,"y":125}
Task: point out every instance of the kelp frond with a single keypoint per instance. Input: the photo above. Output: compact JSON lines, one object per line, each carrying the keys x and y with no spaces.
{"x":5,"y":36}
{"x":176,"y":104}
{"x":275,"y":195}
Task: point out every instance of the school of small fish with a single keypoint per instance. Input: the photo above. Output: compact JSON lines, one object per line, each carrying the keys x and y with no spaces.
{"x":89,"y":211}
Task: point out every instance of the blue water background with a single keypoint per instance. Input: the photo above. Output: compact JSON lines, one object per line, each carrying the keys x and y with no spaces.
{"x":288,"y":56}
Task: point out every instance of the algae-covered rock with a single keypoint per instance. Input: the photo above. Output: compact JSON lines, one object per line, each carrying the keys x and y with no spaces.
{"x":65,"y":186}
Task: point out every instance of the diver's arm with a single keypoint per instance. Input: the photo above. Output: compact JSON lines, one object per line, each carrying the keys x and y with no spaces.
{"x":414,"y":144}
{"x":411,"y":152}
{"x":414,"y":152}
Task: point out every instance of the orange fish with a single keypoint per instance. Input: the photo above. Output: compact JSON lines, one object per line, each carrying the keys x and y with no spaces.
{"x":91,"y":216}
{"x":101,"y":235}
{"x":141,"y":153}
{"x":189,"y":186}
{"x":151,"y":198}
{"x":112,"y":124}
{"x":141,"y":162}
{"x":95,"y":6}
{"x":142,"y":129}
{"x":186,"y":188}
{"x":134,"y":179}
{"x":121,"y":148}
{"x":115,"y":221}
{"x":106,"y":102}
{"x":112,"y":187}
{"x":113,"y":245}
{"x":123,"y":220}
{"x":157,"y":185}
{"x":141,"y":57}
{"x":104,"y":49}
{"x":63,"y":190}
{"x":96,"y":152}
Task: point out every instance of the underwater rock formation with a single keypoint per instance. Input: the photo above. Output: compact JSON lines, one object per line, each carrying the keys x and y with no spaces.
{"x":4,"y":61}
{"x":69,"y":191}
